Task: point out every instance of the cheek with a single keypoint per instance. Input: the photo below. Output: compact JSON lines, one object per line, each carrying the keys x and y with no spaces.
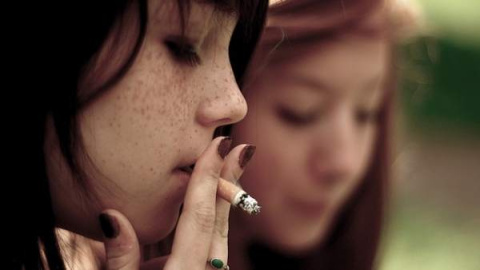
{"x":276,"y":159}
{"x":136,"y":127}
{"x":159,"y":96}
{"x":159,"y":87}
{"x":363,"y":159}
{"x":366,"y":150}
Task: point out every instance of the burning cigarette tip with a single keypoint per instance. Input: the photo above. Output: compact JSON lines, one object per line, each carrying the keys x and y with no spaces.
{"x":237,"y":197}
{"x":247,"y":203}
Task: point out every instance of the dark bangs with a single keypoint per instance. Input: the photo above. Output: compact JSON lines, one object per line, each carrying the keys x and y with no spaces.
{"x":251,"y":18}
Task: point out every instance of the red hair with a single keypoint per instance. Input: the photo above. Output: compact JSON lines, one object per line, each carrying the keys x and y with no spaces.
{"x":354,"y":239}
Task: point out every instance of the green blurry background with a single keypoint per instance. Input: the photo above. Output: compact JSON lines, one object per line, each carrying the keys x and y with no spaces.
{"x":434,"y":218}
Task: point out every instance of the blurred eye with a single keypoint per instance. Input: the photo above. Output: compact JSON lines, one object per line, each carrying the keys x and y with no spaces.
{"x":183,"y":52}
{"x":294,"y":118}
{"x":363,"y":117}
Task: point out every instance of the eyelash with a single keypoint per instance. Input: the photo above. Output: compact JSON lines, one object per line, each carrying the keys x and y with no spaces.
{"x":183,"y":52}
{"x":366,"y":117}
{"x":362,"y":117}
{"x":295,"y":119}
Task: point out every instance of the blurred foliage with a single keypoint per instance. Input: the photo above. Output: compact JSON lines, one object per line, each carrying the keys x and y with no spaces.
{"x":439,"y":94}
{"x":423,"y":238}
{"x":457,"y":21}
{"x":440,"y":85}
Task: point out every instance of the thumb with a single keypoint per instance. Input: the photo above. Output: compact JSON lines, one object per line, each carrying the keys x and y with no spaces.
{"x":121,"y":244}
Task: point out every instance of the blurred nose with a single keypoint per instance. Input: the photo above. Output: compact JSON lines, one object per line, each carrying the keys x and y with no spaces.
{"x":223,"y":103}
{"x":335,"y":155}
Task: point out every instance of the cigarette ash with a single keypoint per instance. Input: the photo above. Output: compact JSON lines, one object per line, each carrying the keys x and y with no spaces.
{"x":248,"y":204}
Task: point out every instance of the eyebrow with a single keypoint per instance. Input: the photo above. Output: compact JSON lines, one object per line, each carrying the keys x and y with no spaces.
{"x":314,"y":84}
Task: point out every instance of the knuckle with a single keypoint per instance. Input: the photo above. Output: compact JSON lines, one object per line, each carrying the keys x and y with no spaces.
{"x":236,"y":174}
{"x":204,"y":217}
{"x":222,"y":227}
{"x":118,"y":259}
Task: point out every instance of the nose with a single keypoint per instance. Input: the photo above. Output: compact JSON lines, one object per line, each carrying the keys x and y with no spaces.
{"x":335,"y":154}
{"x":223,"y":102}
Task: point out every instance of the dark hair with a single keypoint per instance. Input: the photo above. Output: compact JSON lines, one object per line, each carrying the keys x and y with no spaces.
{"x":53,"y":51}
{"x":354,"y":239}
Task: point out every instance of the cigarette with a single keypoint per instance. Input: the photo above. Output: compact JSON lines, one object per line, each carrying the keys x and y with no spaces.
{"x":237,"y":197}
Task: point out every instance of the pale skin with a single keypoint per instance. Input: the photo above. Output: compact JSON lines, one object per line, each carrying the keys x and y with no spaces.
{"x":159,"y":118}
{"x":312,"y":117}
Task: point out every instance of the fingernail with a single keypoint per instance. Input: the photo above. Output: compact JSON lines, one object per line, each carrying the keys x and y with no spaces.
{"x":246,"y":155}
{"x":109,"y":226}
{"x":224,"y":147}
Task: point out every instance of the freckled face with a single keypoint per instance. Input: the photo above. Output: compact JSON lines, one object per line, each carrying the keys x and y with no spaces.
{"x":161,"y":115}
{"x":312,"y":117}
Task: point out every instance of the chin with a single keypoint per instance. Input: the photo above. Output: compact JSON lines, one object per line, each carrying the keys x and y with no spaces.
{"x":155,"y":230}
{"x":295,"y":241}
{"x":299,"y":246}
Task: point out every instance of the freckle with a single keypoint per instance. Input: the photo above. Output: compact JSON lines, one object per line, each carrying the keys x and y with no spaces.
{"x":151,"y":169}
{"x":136,"y":143}
{"x":135,"y":97}
{"x":142,"y":111}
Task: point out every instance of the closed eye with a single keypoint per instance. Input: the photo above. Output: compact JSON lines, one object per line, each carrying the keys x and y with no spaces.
{"x":296,"y":119}
{"x":183,"y":52}
{"x":364,"y":117}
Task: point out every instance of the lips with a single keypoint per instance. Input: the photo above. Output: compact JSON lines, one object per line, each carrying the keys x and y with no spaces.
{"x":187,"y":169}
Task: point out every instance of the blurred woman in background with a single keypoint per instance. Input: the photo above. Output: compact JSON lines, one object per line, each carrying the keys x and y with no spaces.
{"x":320,"y":91}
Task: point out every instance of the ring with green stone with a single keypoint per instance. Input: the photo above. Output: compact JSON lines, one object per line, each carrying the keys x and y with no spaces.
{"x":218,"y":264}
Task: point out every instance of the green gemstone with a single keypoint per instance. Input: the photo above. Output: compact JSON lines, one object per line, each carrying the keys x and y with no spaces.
{"x":217,"y":263}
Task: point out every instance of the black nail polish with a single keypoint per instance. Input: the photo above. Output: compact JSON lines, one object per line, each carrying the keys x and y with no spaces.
{"x":224,"y":147}
{"x":246,"y":155}
{"x":109,"y":226}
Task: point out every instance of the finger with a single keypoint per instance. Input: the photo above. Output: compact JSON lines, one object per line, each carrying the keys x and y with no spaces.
{"x":121,"y":243}
{"x":232,"y":170}
{"x":194,"y":231}
{"x":236,"y":161}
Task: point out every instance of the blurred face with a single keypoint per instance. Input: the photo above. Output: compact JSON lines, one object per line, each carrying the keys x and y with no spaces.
{"x":158,"y":118}
{"x":313,"y":119}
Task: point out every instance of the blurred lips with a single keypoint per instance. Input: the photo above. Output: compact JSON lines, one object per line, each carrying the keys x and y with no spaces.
{"x":185,"y":172}
{"x":187,"y":169}
{"x":304,"y":206}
